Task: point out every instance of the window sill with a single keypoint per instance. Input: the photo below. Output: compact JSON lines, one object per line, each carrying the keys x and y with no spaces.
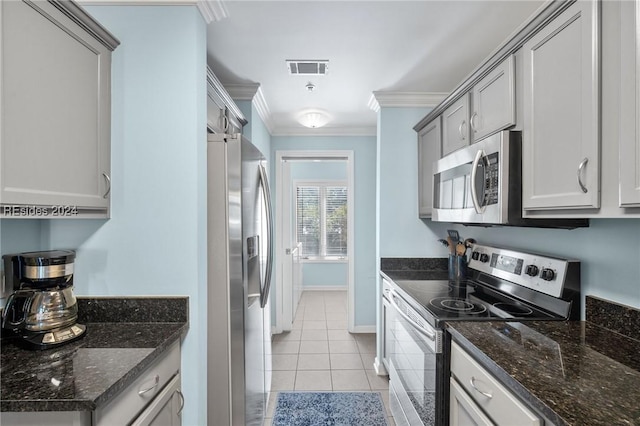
{"x":325,"y":260}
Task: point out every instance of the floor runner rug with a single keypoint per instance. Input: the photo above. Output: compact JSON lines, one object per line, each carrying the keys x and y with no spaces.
{"x":329,"y":409}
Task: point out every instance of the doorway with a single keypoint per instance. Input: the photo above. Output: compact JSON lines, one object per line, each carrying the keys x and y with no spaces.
{"x":314,"y":199}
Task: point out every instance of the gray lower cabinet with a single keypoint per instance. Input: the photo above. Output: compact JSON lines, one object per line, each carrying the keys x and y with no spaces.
{"x":477,"y":398}
{"x":165,"y":409}
{"x":429,"y":151}
{"x":561,"y":129}
{"x":455,"y":125}
{"x":463,"y":410}
{"x":494,"y":101}
{"x":630,"y":108}
{"x":55,"y":111}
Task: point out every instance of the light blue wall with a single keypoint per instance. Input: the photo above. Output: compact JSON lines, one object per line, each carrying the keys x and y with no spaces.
{"x":155,"y":241}
{"x":364,"y":148}
{"x":16,"y":236}
{"x":255,"y":130}
{"x":309,"y":170}
{"x":609,"y":249}
{"x":324,"y":274}
{"x":401,"y":231}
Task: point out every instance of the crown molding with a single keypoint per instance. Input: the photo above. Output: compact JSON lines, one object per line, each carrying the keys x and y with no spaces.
{"x":242,"y":92}
{"x":262,"y":108}
{"x":373,"y":103}
{"x":382,"y":99}
{"x":325,"y":131}
{"x":252,"y":92}
{"x":211,"y":10}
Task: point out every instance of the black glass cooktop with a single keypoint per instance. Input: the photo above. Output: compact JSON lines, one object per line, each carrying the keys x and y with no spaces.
{"x":469,"y":301}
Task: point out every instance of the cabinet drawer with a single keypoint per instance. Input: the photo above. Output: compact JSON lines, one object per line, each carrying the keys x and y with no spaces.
{"x":165,"y":409}
{"x":490,"y":396}
{"x":133,"y":398}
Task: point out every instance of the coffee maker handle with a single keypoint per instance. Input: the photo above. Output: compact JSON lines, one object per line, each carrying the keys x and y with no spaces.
{"x":17,"y":302}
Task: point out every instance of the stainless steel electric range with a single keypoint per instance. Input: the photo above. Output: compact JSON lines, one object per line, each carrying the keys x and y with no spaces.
{"x":502,"y":285}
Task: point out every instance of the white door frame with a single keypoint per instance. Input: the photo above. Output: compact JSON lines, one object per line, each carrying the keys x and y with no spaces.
{"x":282,"y":232}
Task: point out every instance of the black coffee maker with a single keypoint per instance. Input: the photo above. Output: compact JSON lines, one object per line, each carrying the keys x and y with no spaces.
{"x":42,"y":311}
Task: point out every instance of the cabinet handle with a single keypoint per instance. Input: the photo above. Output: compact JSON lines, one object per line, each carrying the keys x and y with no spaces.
{"x":583,"y":163}
{"x":156,"y":380}
{"x":460,"y":129}
{"x":473,"y":123}
{"x":473,"y":385}
{"x":225,"y":123}
{"x":108,"y":180}
{"x":179,"y":392}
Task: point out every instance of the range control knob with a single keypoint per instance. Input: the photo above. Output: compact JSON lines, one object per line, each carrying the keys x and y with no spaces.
{"x":475,"y":255}
{"x":484,"y":258}
{"x":531,"y":270}
{"x":547,"y":274}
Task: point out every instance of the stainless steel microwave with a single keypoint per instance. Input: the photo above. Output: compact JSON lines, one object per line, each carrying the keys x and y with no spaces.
{"x":482,"y":184}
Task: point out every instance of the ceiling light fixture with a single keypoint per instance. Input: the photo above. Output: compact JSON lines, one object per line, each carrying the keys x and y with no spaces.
{"x":313,"y":119}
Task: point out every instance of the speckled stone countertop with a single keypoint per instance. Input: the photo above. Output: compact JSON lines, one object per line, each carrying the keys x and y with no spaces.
{"x":574,"y":373}
{"x":124,"y":336}
{"x":399,"y":268}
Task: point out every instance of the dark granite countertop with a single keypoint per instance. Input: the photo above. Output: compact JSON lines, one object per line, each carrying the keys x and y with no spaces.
{"x":397,"y":269}
{"x":124,"y":336}
{"x":574,"y":373}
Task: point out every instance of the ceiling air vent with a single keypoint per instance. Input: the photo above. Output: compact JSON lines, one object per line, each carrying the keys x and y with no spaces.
{"x":307,"y":67}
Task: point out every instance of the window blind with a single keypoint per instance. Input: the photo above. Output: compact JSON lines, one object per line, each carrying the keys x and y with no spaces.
{"x":321,"y":220}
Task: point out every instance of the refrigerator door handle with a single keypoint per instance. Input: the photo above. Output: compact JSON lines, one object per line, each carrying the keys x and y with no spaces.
{"x":264,"y":183}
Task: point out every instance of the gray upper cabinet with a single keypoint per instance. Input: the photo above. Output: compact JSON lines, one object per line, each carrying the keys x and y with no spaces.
{"x":217,"y":121}
{"x":455,"y":125}
{"x":223,"y":115}
{"x":630,"y":111}
{"x":55,"y":110}
{"x":429,"y":151}
{"x":561,"y":129}
{"x":494,"y":100}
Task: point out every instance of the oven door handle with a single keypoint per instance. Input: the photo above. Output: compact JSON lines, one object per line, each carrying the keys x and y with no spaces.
{"x":474,"y":175}
{"x":431,"y":336}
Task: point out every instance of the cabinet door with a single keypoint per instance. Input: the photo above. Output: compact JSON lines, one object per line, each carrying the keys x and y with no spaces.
{"x":561,"y":132}
{"x":462,"y":410}
{"x":55,"y":140}
{"x":630,"y":101}
{"x":455,"y":125}
{"x":494,"y":101}
{"x":429,"y":151}
{"x":215,"y":112}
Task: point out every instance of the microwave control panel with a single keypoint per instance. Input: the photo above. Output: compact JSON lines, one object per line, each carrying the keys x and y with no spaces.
{"x":491,"y":179}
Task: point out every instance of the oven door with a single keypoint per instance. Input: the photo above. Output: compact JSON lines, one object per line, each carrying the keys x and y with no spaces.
{"x":414,"y":347}
{"x":471,"y":185}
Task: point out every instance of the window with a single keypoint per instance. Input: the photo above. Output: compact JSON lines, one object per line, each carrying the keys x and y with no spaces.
{"x":321,"y":220}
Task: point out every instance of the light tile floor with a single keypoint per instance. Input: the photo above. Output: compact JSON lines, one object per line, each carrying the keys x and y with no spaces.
{"x":319,"y":354}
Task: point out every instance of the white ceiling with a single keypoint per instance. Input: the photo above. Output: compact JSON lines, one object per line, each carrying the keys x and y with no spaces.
{"x":394,"y":46}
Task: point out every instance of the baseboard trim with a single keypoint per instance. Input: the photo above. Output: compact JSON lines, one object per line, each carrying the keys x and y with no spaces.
{"x":379,"y":367}
{"x":324,"y":288}
{"x":364,"y":329}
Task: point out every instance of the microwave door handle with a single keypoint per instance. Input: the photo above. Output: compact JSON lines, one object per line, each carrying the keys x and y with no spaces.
{"x":474,"y":175}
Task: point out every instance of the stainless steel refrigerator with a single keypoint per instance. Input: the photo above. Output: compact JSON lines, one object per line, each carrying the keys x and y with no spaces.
{"x":240,"y":254}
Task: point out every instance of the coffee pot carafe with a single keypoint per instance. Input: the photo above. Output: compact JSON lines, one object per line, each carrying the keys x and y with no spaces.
{"x":42,"y":311}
